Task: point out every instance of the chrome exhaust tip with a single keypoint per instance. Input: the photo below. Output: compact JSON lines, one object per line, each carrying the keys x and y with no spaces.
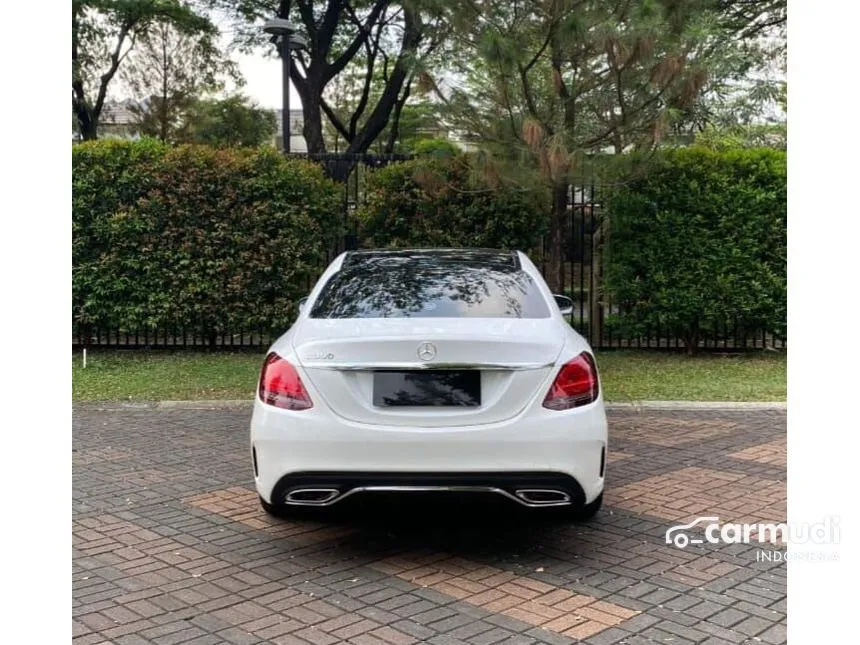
{"x":312,"y":496}
{"x":543,"y":496}
{"x":326,"y":496}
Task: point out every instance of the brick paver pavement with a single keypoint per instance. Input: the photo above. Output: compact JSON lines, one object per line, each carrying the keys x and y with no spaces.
{"x":170,"y":545}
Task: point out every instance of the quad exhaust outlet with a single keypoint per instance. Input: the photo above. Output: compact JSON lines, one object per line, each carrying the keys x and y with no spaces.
{"x":312,"y":496}
{"x":327,"y":496}
{"x":543,"y":496}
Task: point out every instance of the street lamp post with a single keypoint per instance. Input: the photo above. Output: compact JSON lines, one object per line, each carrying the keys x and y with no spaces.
{"x":285,"y":37}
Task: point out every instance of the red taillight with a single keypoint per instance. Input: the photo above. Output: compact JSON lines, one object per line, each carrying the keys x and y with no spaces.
{"x":281,"y":386}
{"x":575,"y":385}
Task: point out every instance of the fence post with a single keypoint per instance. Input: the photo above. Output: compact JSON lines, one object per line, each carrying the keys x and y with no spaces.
{"x":595,"y":295}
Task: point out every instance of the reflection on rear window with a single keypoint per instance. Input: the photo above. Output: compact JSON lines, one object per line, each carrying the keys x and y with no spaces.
{"x":399,"y":288}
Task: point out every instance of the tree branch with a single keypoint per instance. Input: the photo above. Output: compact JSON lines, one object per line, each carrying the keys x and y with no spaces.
{"x":395,"y":118}
{"x":335,"y":121}
{"x":539,"y":53}
{"x":527,"y":92}
{"x":337,"y":66}
{"x":368,"y":79}
{"x":614,"y":126}
{"x":506,"y":99}
{"x":116,"y":59}
{"x":79,"y":99}
{"x":306,"y":11}
{"x":327,"y":27}
{"x":412,"y":33}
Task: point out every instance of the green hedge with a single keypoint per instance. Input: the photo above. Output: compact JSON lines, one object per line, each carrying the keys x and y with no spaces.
{"x":214,"y":240}
{"x":436,"y":148}
{"x":698,"y":242}
{"x":448,"y":202}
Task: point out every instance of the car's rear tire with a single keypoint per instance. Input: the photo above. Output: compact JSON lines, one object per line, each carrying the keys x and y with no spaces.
{"x":281,"y":511}
{"x":585,"y":513}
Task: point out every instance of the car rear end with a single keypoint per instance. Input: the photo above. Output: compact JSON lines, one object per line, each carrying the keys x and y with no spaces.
{"x":413,"y":372}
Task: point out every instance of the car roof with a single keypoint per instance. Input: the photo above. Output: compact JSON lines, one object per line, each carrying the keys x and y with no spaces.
{"x":489,"y":258}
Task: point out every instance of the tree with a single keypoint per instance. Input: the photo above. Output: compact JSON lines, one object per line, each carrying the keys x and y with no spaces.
{"x":233,"y":121}
{"x":545,"y":85}
{"x":104,"y":32}
{"x":770,"y":135}
{"x":748,"y":20}
{"x":419,"y":122}
{"x":171,"y":70}
{"x":389,"y":41}
{"x":746,"y":85}
{"x":410,"y":121}
{"x":435,"y":148}
{"x":554,"y":80}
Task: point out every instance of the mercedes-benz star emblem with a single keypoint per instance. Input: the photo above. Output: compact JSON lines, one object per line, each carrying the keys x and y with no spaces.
{"x":427,"y":351}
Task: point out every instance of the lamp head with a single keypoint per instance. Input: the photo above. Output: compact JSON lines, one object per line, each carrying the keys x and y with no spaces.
{"x":279,"y":27}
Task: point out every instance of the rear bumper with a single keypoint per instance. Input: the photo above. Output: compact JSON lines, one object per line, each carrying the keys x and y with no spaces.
{"x":315,"y":447}
{"x":532,"y":490}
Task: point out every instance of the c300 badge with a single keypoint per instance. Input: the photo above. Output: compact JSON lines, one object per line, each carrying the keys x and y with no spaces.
{"x":319,"y":357}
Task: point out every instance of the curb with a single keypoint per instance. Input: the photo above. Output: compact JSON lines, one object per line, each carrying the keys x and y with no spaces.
{"x":205,"y":405}
{"x":236,"y":405}
{"x":112,"y":406}
{"x":698,"y":405}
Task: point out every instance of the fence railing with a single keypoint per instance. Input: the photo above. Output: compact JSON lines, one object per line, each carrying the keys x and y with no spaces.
{"x":579,"y":276}
{"x":725,"y":337}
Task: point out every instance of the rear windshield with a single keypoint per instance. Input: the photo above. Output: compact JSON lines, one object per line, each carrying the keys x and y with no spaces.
{"x":409,"y":289}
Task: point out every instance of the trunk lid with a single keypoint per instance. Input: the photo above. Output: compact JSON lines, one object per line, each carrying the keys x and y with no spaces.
{"x":515,"y":357}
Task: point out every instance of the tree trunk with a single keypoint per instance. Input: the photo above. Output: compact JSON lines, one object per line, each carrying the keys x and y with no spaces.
{"x":394,"y":130}
{"x":555,"y":268}
{"x":319,"y":72}
{"x":87,"y":125}
{"x":312,"y":129}
{"x":164,"y":117}
{"x":692,"y":344}
{"x":165,"y":64}
{"x":691,"y":339}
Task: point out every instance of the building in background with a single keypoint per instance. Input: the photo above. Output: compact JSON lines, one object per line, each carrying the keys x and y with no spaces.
{"x":118,"y":120}
{"x":297,"y":139}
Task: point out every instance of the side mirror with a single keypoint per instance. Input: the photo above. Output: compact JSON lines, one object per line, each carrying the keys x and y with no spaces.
{"x":302,"y":303}
{"x":564,"y":303}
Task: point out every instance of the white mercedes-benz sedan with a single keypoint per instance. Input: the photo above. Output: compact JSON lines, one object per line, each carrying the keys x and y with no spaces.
{"x":430,"y":370}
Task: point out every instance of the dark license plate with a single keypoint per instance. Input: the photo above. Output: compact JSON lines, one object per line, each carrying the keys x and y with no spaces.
{"x":437,"y":388}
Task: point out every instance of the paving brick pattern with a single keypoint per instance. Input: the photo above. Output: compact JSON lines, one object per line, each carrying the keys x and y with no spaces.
{"x":774,"y":453}
{"x":171,"y":547}
{"x":692,"y":492}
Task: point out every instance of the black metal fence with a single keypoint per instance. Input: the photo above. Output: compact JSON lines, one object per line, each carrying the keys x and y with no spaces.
{"x":584,"y":234}
{"x":579,"y":276}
